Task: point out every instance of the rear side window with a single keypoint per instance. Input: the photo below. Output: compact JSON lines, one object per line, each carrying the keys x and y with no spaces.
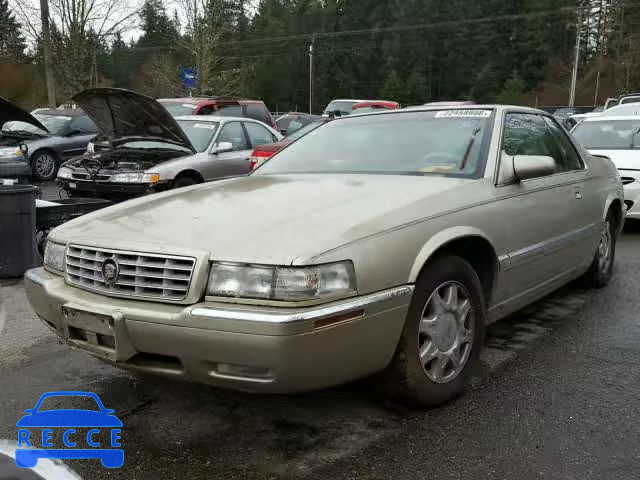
{"x":230,"y":111}
{"x":258,"y":135}
{"x":258,"y":111}
{"x":83,"y":124}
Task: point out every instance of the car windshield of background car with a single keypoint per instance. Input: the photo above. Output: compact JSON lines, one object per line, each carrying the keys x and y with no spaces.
{"x":608,"y":134}
{"x":179,"y":109}
{"x":200,"y":133}
{"x":444,"y":142}
{"x":344,"y":108}
{"x":54,"y":124}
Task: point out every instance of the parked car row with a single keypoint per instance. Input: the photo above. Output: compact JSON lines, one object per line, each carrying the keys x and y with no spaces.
{"x":380,"y":243}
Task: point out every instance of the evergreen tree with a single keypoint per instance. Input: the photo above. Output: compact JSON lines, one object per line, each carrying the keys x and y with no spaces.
{"x":393,"y":89}
{"x":512,"y":90}
{"x":12,"y":44}
{"x":485,"y":85}
{"x":416,"y":88}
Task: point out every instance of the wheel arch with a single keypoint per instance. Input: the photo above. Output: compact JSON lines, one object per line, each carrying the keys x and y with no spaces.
{"x":464,"y":242}
{"x":190,"y":173}
{"x":614,"y":204}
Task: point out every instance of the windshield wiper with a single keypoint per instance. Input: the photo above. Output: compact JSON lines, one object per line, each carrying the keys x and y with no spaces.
{"x":21,"y":133}
{"x":465,"y":159}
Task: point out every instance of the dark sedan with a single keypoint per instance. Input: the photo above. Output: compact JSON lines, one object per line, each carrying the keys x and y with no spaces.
{"x":65,"y":135}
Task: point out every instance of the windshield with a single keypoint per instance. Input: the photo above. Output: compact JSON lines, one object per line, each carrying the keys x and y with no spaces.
{"x":622,"y":110}
{"x":345,"y":107}
{"x":150,"y":145}
{"x":178,"y":109}
{"x":199,"y":133}
{"x":303,"y":130}
{"x":608,"y":134}
{"x":446,"y":142}
{"x":54,"y":123}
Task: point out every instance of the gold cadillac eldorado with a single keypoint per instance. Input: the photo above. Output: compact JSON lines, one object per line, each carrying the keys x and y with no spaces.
{"x":379,"y":243}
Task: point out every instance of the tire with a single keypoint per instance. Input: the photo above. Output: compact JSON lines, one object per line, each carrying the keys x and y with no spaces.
{"x":44,"y":165}
{"x":406,"y":378}
{"x":601,"y":269}
{"x":184,"y":182}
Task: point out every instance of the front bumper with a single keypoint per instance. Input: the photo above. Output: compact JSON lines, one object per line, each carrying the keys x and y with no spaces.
{"x":242,"y":347}
{"x":632,"y":194}
{"x":14,"y":169}
{"x":108,"y":189}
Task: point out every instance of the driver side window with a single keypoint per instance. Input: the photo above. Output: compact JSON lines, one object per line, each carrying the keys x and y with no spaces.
{"x":527,"y":134}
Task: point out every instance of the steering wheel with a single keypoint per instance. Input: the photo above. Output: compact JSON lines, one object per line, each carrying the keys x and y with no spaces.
{"x":438,"y":158}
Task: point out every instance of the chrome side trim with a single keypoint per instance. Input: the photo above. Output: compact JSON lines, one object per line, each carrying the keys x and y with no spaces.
{"x":529,"y":253}
{"x":39,"y":276}
{"x":299,"y":316}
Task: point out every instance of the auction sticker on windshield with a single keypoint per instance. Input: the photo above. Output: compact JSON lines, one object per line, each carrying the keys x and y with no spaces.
{"x":463,"y":113}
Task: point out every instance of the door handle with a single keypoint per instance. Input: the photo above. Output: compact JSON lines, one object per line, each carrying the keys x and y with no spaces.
{"x":578,"y":193}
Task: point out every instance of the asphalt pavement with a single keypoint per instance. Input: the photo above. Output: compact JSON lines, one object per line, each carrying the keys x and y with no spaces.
{"x":557,"y":397}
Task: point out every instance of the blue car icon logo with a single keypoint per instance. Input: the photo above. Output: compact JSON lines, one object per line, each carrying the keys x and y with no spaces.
{"x":66,"y":421}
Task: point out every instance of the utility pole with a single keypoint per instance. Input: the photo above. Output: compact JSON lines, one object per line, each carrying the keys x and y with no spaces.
{"x":574,"y":73}
{"x":46,"y":46}
{"x":313,"y":41}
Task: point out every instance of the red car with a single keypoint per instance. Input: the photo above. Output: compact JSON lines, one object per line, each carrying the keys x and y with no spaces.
{"x":374,"y":106}
{"x":255,"y":109}
{"x":264,"y":152}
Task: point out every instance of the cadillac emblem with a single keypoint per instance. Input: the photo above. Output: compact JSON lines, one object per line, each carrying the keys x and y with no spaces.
{"x":110,"y":271}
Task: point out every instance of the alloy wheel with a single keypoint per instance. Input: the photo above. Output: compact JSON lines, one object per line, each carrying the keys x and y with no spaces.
{"x":446,"y":332}
{"x":45,"y":165}
{"x":604,"y":249}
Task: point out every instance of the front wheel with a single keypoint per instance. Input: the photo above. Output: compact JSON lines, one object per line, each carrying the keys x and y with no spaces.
{"x":601,"y":269}
{"x":44,"y":166}
{"x":442,"y":336}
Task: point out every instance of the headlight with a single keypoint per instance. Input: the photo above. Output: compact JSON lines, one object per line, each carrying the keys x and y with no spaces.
{"x":10,"y":152}
{"x":64,"y":172}
{"x":281,"y":283}
{"x":54,"y":256}
{"x":135,"y":178}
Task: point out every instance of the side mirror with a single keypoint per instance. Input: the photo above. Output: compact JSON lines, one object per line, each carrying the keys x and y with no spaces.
{"x":223,"y":147}
{"x":533,"y":166}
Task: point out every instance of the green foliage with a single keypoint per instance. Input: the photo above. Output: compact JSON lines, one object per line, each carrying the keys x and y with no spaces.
{"x":393,"y":87}
{"x":512,"y":90}
{"x":415,"y":92}
{"x":484,"y":87}
{"x":12,"y":44}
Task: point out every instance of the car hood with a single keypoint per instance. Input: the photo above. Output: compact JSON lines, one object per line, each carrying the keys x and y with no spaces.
{"x":623,"y":159}
{"x":10,"y":112}
{"x":272,"y":219}
{"x":123,"y":114}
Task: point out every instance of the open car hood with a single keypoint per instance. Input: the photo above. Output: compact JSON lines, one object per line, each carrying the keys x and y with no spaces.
{"x":120,"y":113}
{"x":10,"y":112}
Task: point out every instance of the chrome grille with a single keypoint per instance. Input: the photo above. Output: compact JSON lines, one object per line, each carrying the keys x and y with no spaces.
{"x":144,"y":275}
{"x":628,"y":180}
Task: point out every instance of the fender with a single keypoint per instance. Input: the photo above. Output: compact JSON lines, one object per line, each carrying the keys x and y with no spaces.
{"x":611,"y":197}
{"x":439,"y":240}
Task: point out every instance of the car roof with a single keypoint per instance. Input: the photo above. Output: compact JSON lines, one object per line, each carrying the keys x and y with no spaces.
{"x":216,"y":118}
{"x":600,"y":118}
{"x":206,"y":100}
